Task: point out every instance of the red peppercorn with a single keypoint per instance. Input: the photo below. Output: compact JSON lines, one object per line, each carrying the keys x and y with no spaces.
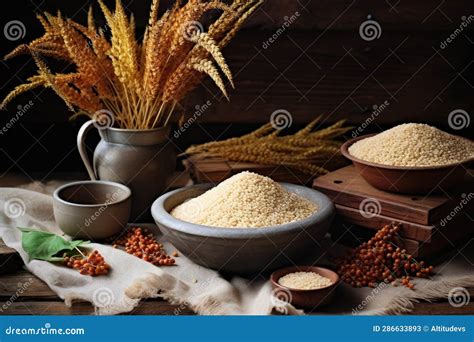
{"x":381,"y":260}
{"x":144,"y":245}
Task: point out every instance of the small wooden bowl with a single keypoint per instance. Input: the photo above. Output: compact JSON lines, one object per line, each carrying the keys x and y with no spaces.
{"x":308,"y":299}
{"x":407,"y":179}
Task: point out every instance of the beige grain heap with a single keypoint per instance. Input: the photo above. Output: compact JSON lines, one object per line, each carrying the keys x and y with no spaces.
{"x":304,"y":281}
{"x":246,"y":200}
{"x":413,"y":144}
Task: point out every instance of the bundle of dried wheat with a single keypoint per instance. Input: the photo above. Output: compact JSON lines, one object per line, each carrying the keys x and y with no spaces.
{"x":139,"y":83}
{"x":307,"y":150}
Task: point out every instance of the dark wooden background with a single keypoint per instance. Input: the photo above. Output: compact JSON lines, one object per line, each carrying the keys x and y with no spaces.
{"x":319,"y":65}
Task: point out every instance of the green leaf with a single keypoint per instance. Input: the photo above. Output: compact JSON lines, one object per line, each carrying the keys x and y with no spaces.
{"x":43,"y":245}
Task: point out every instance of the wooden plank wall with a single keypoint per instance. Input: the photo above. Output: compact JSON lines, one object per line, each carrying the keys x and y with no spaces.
{"x":318,"y":64}
{"x":321,"y":64}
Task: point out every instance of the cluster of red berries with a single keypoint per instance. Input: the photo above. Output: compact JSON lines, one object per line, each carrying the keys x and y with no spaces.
{"x":144,"y":245}
{"x":92,"y":264}
{"x":381,"y":260}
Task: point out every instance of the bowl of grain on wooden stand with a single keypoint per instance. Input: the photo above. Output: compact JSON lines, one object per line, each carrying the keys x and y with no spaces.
{"x":416,"y":180}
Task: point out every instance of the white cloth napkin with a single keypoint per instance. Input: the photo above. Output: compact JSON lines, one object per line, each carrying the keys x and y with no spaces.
{"x":203,"y":290}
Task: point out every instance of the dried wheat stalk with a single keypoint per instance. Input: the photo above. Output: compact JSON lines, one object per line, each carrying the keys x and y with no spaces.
{"x":307,"y":150}
{"x":140,"y":83}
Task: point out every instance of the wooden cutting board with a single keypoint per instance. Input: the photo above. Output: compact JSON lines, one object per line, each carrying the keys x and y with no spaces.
{"x":428,"y":241}
{"x":346,"y":187}
{"x":425,"y":230}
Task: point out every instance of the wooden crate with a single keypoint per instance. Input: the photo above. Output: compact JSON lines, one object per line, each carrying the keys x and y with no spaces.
{"x":215,"y":170}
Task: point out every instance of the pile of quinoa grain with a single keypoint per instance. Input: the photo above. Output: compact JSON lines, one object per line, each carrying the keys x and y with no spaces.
{"x":304,"y":281}
{"x":246,"y":200}
{"x":413,"y":144}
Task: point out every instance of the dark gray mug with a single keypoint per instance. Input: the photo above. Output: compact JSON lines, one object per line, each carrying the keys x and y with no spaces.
{"x":92,"y":210}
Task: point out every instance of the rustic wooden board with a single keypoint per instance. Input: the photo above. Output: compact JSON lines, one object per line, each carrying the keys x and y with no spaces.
{"x":10,"y":260}
{"x":409,"y":230}
{"x":314,"y":14}
{"x":419,"y":240}
{"x":52,"y":307}
{"x":441,"y":307}
{"x":351,"y":235}
{"x":32,"y":287}
{"x":215,"y":170}
{"x":343,"y":76}
{"x":459,"y":228}
{"x":38,"y":299}
{"x":346,"y":187}
{"x":348,"y":14}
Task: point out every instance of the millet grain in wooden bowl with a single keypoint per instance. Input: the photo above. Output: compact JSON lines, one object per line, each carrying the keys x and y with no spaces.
{"x":306,"y":286}
{"x":411,"y":158}
{"x":304,"y":281}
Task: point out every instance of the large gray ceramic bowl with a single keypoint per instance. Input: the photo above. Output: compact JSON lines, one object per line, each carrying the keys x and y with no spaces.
{"x":243,"y":250}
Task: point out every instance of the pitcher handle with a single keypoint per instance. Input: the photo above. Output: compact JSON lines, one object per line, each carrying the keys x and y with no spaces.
{"x":81,"y":146}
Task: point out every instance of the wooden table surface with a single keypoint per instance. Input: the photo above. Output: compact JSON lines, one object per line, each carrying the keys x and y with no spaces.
{"x":21,"y":293}
{"x":38,"y":299}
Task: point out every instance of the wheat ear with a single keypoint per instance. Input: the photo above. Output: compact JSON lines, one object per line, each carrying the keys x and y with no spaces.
{"x":206,"y":66}
{"x":207,"y":43}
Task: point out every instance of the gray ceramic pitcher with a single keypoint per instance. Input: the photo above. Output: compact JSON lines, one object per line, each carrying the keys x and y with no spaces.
{"x":141,"y":159}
